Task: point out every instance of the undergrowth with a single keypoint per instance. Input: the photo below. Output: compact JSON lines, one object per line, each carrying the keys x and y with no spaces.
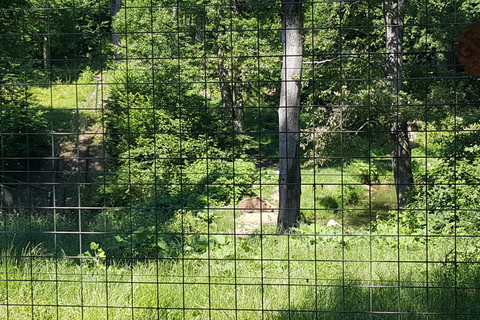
{"x":318,"y":273}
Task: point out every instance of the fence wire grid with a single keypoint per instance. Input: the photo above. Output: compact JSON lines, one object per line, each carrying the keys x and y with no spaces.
{"x":239,"y":159}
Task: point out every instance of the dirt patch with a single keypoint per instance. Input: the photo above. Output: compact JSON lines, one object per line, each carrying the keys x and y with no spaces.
{"x":248,"y":222}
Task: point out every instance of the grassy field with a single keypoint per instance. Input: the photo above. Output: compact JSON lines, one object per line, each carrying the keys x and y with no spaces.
{"x":363,"y":271}
{"x":322,"y":275}
{"x":369,"y":271}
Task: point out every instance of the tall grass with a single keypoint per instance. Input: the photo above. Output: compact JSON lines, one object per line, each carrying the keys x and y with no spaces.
{"x":325,"y":275}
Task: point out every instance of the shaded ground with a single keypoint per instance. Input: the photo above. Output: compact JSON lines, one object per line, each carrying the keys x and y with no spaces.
{"x":77,"y":158}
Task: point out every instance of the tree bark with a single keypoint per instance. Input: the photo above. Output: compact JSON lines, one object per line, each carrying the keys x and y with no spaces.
{"x":46,"y":48}
{"x":47,"y":61}
{"x":231,"y":93}
{"x":115,"y":6}
{"x":401,"y":160}
{"x":174,"y":13}
{"x":239,"y":110}
{"x":225,"y":87}
{"x":393,"y":13}
{"x":289,"y":182}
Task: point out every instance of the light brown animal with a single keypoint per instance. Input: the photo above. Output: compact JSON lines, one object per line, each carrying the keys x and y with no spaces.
{"x":254,"y":204}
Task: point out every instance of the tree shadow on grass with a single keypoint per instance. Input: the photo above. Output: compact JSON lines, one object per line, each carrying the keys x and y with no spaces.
{"x":408,"y":299}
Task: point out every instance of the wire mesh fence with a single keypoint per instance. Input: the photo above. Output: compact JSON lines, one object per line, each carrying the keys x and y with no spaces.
{"x":239,"y":159}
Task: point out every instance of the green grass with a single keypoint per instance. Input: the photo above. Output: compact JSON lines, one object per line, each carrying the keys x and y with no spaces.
{"x":65,"y":96}
{"x":332,"y":193}
{"x":62,"y":95}
{"x":70,"y":106}
{"x":277,"y":277}
{"x":318,"y":273}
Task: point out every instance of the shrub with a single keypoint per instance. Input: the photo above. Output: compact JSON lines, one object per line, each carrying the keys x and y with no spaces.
{"x":368,"y":174}
{"x":220,"y":182}
{"x":156,"y":199}
{"x":448,"y":193}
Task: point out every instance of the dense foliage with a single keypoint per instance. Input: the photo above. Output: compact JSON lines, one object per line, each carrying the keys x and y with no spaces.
{"x":190,"y":119}
{"x":23,"y":128}
{"x":54,"y":38}
{"x":43,"y":40}
{"x":446,"y":199}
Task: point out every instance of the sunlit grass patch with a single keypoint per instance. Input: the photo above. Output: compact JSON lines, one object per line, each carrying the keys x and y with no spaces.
{"x":62,"y":95}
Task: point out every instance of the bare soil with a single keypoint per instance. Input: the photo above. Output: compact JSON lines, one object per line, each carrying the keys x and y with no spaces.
{"x":248,"y":222}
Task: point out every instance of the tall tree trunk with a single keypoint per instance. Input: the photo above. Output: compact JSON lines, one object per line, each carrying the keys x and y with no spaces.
{"x":393,"y":13}
{"x":401,"y":160}
{"x":230,"y":81}
{"x":289,"y":182}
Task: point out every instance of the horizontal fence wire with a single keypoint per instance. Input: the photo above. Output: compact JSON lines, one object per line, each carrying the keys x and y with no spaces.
{"x":239,"y":159}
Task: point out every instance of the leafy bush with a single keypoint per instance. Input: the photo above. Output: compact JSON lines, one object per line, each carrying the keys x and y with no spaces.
{"x":220,"y":182}
{"x":352,"y":194}
{"x":94,"y":258}
{"x":448,"y":194}
{"x":368,"y":174}
{"x":156,"y":198}
{"x":152,"y":242}
{"x":180,"y":119}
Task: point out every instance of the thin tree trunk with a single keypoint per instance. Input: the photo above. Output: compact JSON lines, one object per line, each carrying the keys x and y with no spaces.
{"x":46,"y":47}
{"x":232,"y":97}
{"x":174,"y":13}
{"x":401,"y":160}
{"x":289,"y":182}
{"x":47,"y":61}
{"x":225,"y":87}
{"x":239,"y":110}
{"x":393,"y":13}
{"x":200,"y":26}
{"x":115,"y":6}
